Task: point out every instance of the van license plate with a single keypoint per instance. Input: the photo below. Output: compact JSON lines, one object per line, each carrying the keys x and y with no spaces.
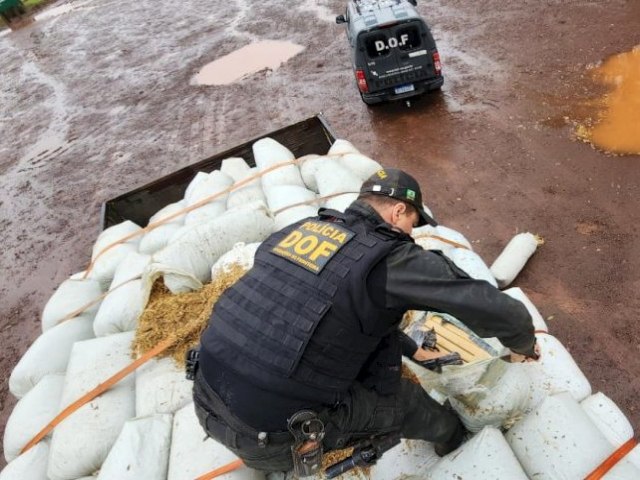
{"x":405,"y":88}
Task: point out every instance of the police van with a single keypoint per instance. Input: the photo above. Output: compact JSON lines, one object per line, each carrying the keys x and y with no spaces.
{"x":394,"y":55}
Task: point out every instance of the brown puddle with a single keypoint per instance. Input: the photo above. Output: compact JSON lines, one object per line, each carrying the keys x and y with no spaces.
{"x":246,"y":61}
{"x":618,"y":127}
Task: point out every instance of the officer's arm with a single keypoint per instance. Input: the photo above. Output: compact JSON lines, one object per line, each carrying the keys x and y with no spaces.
{"x":417,"y":279}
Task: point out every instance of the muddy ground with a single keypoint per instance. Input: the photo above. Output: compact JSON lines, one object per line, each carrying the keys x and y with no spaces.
{"x":96,"y":100}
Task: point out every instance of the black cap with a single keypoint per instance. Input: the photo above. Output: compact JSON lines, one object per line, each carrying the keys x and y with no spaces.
{"x":395,"y":183}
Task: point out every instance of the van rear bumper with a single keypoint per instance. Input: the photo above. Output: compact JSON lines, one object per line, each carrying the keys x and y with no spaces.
{"x":388,"y":94}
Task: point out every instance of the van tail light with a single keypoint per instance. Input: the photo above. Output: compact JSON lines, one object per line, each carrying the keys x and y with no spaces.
{"x":436,"y":63}
{"x":362,"y":81}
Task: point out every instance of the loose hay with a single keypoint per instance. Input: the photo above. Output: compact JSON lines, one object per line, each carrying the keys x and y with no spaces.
{"x":182,"y":317}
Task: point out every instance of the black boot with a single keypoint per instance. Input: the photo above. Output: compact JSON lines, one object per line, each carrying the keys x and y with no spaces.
{"x":454,"y":442}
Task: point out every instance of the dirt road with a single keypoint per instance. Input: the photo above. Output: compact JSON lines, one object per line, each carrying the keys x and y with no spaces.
{"x":96,"y":100}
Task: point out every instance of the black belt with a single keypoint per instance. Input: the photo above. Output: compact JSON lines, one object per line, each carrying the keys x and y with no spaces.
{"x":218,"y":407}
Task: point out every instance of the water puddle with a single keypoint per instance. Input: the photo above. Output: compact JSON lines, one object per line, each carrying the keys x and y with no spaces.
{"x":246,"y":61}
{"x":617,"y":126}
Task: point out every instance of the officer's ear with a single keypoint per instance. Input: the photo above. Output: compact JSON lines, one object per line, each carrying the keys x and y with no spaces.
{"x":397,"y":210}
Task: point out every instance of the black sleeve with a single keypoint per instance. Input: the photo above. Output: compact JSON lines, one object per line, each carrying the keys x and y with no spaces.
{"x":418,"y":279}
{"x":409,"y":347}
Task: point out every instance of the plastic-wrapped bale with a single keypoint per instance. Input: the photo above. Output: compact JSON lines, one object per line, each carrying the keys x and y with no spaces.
{"x":269,"y":153}
{"x":561,"y":372}
{"x":70,"y":296}
{"x":236,"y":168}
{"x":31,"y":465}
{"x":125,"y":301}
{"x":471,"y":263}
{"x":216,"y":183}
{"x":439,"y":238}
{"x":342,"y":147}
{"x":309,"y":165}
{"x":360,"y":165}
{"x":538,"y":322}
{"x":48,"y":354}
{"x":558,"y":440}
{"x":106,"y":258}
{"x":35,"y":410}
{"x":193,"y":453}
{"x":81,"y":443}
{"x":247,"y":193}
{"x":241,"y":255}
{"x":411,"y":457}
{"x":193,"y":184}
{"x":157,"y":239}
{"x":141,"y":450}
{"x":503,"y":395}
{"x":282,"y":200}
{"x":611,"y":422}
{"x":187,"y":262}
{"x":486,"y":456}
{"x":161,"y":387}
{"x":334,"y":179}
{"x":514,"y":257}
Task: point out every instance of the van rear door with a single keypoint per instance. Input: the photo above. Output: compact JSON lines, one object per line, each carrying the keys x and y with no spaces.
{"x":415,"y":52}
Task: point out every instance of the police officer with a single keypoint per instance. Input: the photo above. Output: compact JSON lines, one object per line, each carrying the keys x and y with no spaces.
{"x":314,"y":326}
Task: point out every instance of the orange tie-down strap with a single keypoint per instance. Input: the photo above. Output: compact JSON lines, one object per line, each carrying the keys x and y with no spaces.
{"x":229,"y":467}
{"x":613,"y":460}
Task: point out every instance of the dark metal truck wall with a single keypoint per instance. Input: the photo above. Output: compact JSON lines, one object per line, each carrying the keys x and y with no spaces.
{"x":312,"y":135}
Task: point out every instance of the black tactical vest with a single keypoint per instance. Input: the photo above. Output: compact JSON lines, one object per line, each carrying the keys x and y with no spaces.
{"x":302,"y":321}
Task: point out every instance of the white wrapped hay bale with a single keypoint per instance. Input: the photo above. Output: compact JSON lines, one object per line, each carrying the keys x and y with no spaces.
{"x":503,"y":395}
{"x":107,"y":258}
{"x":283,"y":202}
{"x":334,"y":179}
{"x":161,"y":387}
{"x":241,"y":255}
{"x":342,"y":147}
{"x":251,"y":191}
{"x":360,"y":165}
{"x":269,"y":153}
{"x":538,"y":321}
{"x":486,"y":456}
{"x":157,"y":239}
{"x":309,"y":166}
{"x":471,"y":263}
{"x":236,"y":168}
{"x":48,"y":354}
{"x":30,"y":415}
{"x":189,"y":259}
{"x":216,"y":183}
{"x":81,"y":443}
{"x":70,"y":296}
{"x":141,"y":450}
{"x":562,"y":374}
{"x":559,"y":440}
{"x":193,"y":184}
{"x":31,"y":465}
{"x":611,"y":422}
{"x":439,"y":238}
{"x":514,"y":257}
{"x":125,"y":301}
{"x":410,"y":457}
{"x":193,"y":454}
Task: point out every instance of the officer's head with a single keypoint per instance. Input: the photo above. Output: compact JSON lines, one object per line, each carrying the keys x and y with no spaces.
{"x":396,"y":196}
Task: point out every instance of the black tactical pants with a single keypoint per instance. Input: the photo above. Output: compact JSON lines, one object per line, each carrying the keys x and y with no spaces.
{"x":363,"y":413}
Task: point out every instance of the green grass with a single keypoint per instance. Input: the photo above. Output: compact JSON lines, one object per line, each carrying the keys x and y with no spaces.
{"x":30,"y":6}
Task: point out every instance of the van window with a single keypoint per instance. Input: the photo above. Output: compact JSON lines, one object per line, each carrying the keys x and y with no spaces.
{"x":376,"y":45}
{"x":408,"y":38}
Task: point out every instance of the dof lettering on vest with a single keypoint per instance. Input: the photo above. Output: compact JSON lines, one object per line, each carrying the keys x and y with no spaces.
{"x":308,"y":245}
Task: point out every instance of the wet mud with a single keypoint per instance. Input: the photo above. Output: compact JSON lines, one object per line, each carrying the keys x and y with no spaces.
{"x":97,"y":100}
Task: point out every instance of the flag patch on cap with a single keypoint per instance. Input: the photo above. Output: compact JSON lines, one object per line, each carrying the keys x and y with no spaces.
{"x":411,"y":195}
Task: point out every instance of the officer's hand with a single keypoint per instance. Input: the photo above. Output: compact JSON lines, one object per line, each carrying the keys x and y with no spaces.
{"x":518,"y":358}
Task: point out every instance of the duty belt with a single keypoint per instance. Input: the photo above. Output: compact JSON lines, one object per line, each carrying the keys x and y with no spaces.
{"x":226,"y":416}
